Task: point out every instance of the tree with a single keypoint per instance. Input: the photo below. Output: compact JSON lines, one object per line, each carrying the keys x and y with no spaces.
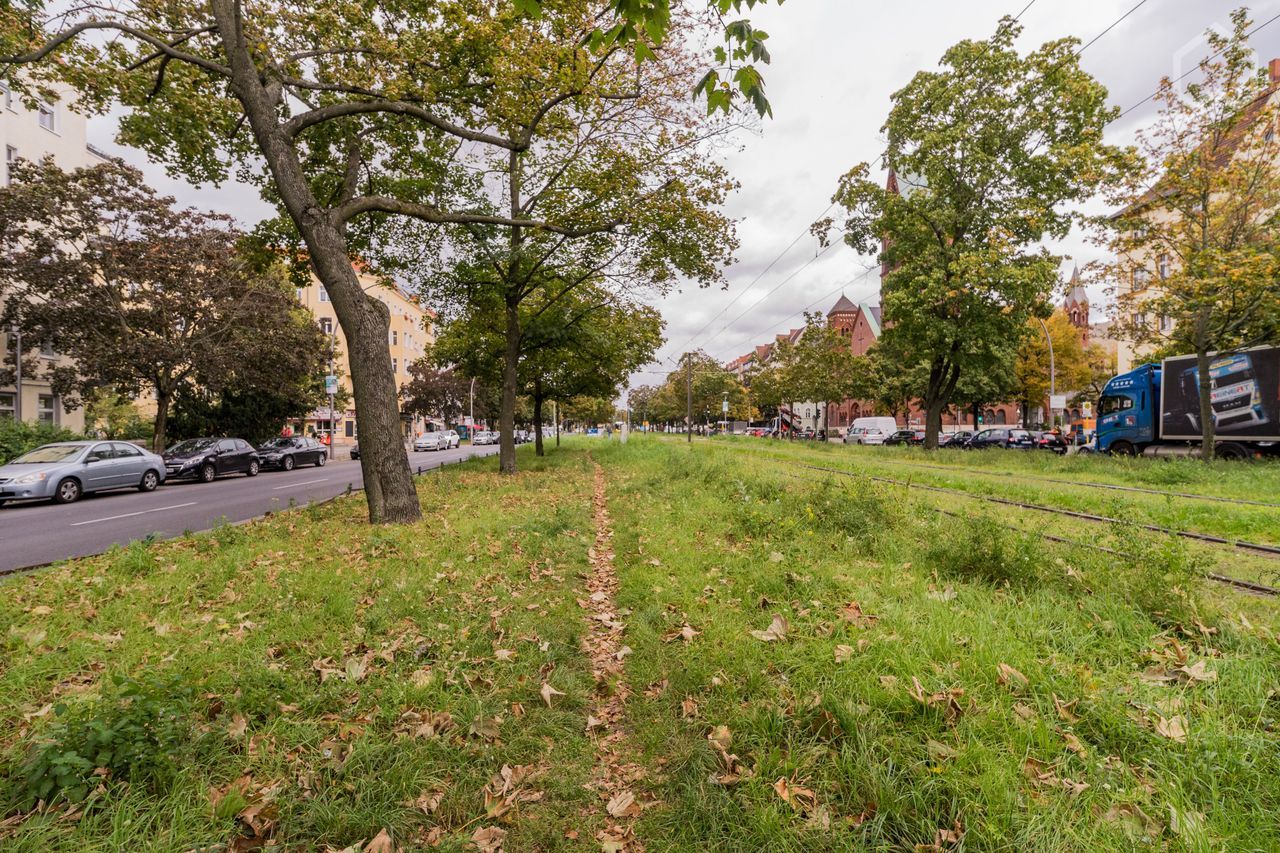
{"x":987,"y":152}
{"x":711,"y":385}
{"x":326,"y":102}
{"x":1101,"y":364}
{"x":443,"y":393}
{"x":143,"y":297}
{"x":114,"y":416}
{"x":1031,"y":367}
{"x":640,"y":401}
{"x":1200,"y":220}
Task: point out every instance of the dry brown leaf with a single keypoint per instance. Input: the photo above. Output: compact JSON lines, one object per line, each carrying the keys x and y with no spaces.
{"x":801,"y":799}
{"x":688,"y":708}
{"x":1074,"y":744}
{"x":1174,"y":728}
{"x":547,"y":692}
{"x":1066,"y":710}
{"x":888,"y":682}
{"x":777,"y":630}
{"x":721,"y":737}
{"x":1026,"y":712}
{"x":1008,"y":674}
{"x":489,"y":839}
{"x":1198,"y":671}
{"x":238,"y":726}
{"x":381,"y":843}
{"x":852,"y":612}
{"x":843,"y":653}
{"x":620,"y":803}
{"x":428,"y":801}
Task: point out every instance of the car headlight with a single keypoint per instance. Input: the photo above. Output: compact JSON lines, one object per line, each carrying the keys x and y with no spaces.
{"x":31,"y":478}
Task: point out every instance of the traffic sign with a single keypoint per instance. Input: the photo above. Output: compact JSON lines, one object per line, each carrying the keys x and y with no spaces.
{"x":331,"y":384}
{"x":1058,"y":401}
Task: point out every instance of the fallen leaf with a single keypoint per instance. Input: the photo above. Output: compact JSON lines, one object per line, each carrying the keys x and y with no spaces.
{"x":1198,"y":671}
{"x":381,"y":843}
{"x":620,"y":804}
{"x":547,"y":692}
{"x":777,"y":630}
{"x":238,"y":726}
{"x":1074,"y":744}
{"x":688,"y":708}
{"x":1174,"y":728}
{"x":504,"y":655}
{"x":939,"y":751}
{"x":888,"y":682}
{"x":489,"y":839}
{"x":1066,"y":710}
{"x":852,"y":612}
{"x":1008,"y":673}
{"x":800,"y":799}
{"x":843,"y":653}
{"x":428,"y":801}
{"x":1026,"y":712}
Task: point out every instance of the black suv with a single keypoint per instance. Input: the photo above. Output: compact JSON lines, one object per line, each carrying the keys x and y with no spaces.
{"x":287,"y":453}
{"x":206,"y":459}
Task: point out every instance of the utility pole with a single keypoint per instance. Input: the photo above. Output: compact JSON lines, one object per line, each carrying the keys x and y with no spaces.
{"x":555,"y":411}
{"x":17,"y":373}
{"x":332,"y":389}
{"x":688,"y":390}
{"x":1053,"y":391}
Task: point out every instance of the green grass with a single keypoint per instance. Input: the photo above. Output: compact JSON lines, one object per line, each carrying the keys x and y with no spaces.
{"x":305,"y":651}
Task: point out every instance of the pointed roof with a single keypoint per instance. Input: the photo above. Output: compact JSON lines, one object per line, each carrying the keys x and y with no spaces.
{"x":843,"y":306}
{"x":1075,"y":293}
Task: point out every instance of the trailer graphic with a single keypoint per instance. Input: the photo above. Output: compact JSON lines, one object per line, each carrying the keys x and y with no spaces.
{"x":1238,"y":396}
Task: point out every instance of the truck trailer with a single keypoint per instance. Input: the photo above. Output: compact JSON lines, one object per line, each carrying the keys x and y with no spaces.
{"x":1154,"y":409}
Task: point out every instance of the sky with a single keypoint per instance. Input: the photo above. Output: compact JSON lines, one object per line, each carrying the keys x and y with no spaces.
{"x":835,"y":66}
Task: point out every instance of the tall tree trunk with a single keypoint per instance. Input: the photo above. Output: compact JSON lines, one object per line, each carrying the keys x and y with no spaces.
{"x":537,"y":418}
{"x":384,"y":462}
{"x":1208,"y":428}
{"x":164,"y":397}
{"x":933,"y":423}
{"x":507,"y":417}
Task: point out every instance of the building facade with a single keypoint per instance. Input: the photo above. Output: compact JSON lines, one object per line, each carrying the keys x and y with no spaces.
{"x":411,"y":332}
{"x":48,"y":130}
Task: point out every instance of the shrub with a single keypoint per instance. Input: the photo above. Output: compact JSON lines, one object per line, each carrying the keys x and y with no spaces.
{"x":17,"y":438}
{"x":137,"y":732}
{"x":977,"y":547}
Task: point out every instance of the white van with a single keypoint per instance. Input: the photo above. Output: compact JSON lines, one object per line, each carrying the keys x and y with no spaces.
{"x":870,"y":430}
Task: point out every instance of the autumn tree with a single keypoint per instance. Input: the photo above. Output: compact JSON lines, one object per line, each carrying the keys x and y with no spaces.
{"x":441,"y":392}
{"x":987,"y":154}
{"x":350,"y":118}
{"x":1197,"y":236}
{"x":711,"y":383}
{"x":1032,"y":377}
{"x":144,"y":298}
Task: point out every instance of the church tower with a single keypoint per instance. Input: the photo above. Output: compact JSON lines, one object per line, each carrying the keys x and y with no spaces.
{"x":1077,"y":306}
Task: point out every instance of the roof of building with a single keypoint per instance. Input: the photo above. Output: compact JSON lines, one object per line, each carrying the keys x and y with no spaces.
{"x":843,"y":306}
{"x":872,"y":313}
{"x":1075,"y":292}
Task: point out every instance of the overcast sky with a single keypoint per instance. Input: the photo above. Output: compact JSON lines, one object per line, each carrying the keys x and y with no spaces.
{"x":835,"y":65}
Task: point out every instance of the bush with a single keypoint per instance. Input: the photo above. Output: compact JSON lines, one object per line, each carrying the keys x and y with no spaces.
{"x":979,"y":548}
{"x":137,"y":732}
{"x":17,"y":438}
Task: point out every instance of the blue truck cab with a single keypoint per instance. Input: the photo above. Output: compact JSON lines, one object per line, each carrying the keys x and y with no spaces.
{"x":1128,"y":411}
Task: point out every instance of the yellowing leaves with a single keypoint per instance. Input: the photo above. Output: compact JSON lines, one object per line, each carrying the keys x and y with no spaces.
{"x":776,"y":631}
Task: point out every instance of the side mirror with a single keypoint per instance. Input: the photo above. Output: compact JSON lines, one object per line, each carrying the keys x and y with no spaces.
{"x":93,"y":457}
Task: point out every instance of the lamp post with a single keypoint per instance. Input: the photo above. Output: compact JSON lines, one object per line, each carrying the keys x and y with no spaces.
{"x":1053,"y":391}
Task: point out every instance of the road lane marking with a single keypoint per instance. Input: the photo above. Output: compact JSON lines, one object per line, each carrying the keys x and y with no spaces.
{"x":131,"y":514}
{"x":303,"y":483}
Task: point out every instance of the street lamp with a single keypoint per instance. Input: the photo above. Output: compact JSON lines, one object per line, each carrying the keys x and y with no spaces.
{"x":16,"y":334}
{"x":1052,"y":372}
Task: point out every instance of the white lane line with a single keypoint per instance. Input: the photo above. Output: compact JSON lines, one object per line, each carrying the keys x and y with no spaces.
{"x":131,"y":514}
{"x":303,"y":483}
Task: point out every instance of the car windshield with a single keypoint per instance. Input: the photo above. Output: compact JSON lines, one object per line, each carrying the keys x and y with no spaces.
{"x":49,"y":453}
{"x":278,"y":442}
{"x":192,"y":445}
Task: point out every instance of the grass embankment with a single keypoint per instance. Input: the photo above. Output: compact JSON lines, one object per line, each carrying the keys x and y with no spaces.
{"x":815,"y":666}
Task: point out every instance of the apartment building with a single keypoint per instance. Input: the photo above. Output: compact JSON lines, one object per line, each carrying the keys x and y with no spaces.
{"x":50,"y":129}
{"x":411,"y":332}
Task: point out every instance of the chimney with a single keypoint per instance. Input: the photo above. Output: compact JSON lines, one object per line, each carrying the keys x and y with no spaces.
{"x":1274,"y":68}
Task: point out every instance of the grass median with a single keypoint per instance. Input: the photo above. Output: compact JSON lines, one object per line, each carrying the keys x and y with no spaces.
{"x":811,"y":663}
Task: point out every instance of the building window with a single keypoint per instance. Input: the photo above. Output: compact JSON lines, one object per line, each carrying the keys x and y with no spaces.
{"x":1141,"y":277}
{"x":351,"y":429}
{"x":8,"y":407}
{"x":1166,"y":323}
{"x":7,"y":94}
{"x":47,"y":351}
{"x":395,"y":365}
{"x":324,"y":294}
{"x":46,"y":117}
{"x":10,"y":155}
{"x":395,"y":337}
{"x":298,"y":292}
{"x":1162,"y":267}
{"x":48,"y":409}
{"x":326,"y":325}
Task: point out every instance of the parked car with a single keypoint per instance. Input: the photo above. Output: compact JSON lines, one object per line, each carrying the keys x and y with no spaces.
{"x":906,"y":437}
{"x":1053,"y":441}
{"x":1012,"y":439}
{"x":430,"y":441}
{"x":206,"y":459}
{"x":958,"y":439}
{"x":872,"y":430}
{"x":355,"y":451}
{"x":453,"y":438}
{"x":64,"y":471}
{"x":286,"y":453}
{"x":482,"y":436}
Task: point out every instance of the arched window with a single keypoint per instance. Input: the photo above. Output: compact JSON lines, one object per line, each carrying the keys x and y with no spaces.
{"x":1000,"y":417}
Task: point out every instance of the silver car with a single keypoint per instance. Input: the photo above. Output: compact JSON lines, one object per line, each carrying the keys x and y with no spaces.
{"x":64,"y":471}
{"x":431,"y":441}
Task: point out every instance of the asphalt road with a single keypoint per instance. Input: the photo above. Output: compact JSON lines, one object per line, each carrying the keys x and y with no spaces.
{"x":35,"y":533}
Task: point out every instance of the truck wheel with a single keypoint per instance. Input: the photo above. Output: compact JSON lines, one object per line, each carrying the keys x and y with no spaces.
{"x":1123,"y":448}
{"x":1231,"y":450}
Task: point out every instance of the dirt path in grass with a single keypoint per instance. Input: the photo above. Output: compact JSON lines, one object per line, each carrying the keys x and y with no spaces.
{"x":615,"y":778}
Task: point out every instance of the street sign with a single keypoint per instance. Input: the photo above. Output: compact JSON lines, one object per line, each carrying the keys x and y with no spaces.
{"x":331,"y":384}
{"x":724,"y":406}
{"x":1087,"y":410}
{"x":1058,"y":401}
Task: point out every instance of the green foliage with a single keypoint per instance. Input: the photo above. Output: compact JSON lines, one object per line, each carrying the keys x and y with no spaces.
{"x":978,"y":547}
{"x":115,"y":415}
{"x":138,"y":731}
{"x":712,"y":385}
{"x":988,"y":155}
{"x":16,"y":438}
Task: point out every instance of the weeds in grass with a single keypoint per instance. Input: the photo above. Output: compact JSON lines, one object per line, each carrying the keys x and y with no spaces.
{"x":137,"y":733}
{"x":977,"y":547}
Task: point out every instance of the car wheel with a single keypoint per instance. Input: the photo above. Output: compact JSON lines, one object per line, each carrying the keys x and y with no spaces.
{"x":2,"y":502}
{"x":207,"y":473}
{"x":68,"y":491}
{"x":287,"y":463}
{"x":1231,"y":451}
{"x":321,"y":459}
{"x":253,"y":468}
{"x":1123,"y":448}
{"x":149,"y":482}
